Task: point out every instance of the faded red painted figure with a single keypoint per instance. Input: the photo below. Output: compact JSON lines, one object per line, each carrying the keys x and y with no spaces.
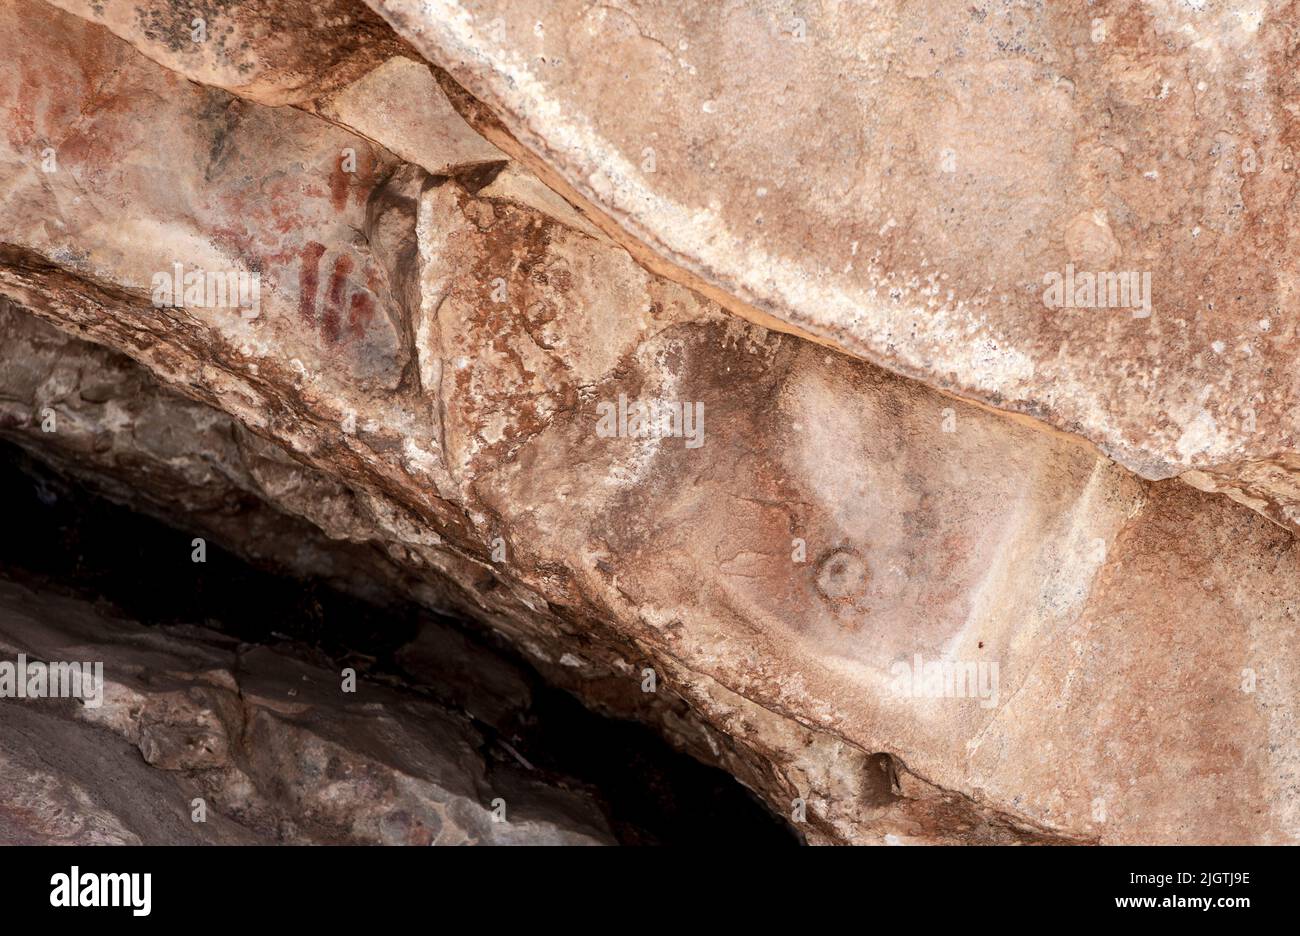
{"x":359,"y":300}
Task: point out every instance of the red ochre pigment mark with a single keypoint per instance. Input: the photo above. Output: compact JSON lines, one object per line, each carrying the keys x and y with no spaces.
{"x":365,"y":179}
{"x":358,"y":182}
{"x":339,"y":182}
{"x":309,"y":280}
{"x":360,"y":311}
{"x":330,"y":323}
{"x":31,"y":91}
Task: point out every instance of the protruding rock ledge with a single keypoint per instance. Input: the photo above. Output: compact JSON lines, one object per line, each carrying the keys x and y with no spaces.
{"x":910,"y":184}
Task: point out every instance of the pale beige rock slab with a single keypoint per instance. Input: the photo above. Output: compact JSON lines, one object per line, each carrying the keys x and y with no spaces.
{"x":898,"y":180}
{"x":400,"y":106}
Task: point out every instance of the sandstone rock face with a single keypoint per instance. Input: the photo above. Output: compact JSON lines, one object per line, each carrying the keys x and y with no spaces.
{"x":909,"y":182}
{"x":260,"y":745}
{"x":896,"y":615}
{"x":98,"y":417}
{"x":288,"y":54}
{"x":400,"y":106}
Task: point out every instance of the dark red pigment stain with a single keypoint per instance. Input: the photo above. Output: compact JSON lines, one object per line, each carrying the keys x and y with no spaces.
{"x":309,"y":280}
{"x":360,"y":312}
{"x":330,"y":325}
{"x":360,"y":302}
{"x":339,"y":182}
{"x":358,"y":183}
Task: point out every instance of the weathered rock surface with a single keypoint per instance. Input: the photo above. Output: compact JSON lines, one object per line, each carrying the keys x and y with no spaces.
{"x":898,"y":180}
{"x":271,"y":746}
{"x":365,"y":80}
{"x":99,"y":418}
{"x":291,"y":53}
{"x":400,"y":106}
{"x":446,"y":354}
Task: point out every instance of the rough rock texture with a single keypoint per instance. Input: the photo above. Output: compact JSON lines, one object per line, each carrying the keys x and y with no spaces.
{"x":365,"y":79}
{"x":288,"y":53}
{"x":98,"y":417}
{"x":268,"y":743}
{"x":897,"y":179}
{"x":437,"y":349}
{"x":400,"y":106}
